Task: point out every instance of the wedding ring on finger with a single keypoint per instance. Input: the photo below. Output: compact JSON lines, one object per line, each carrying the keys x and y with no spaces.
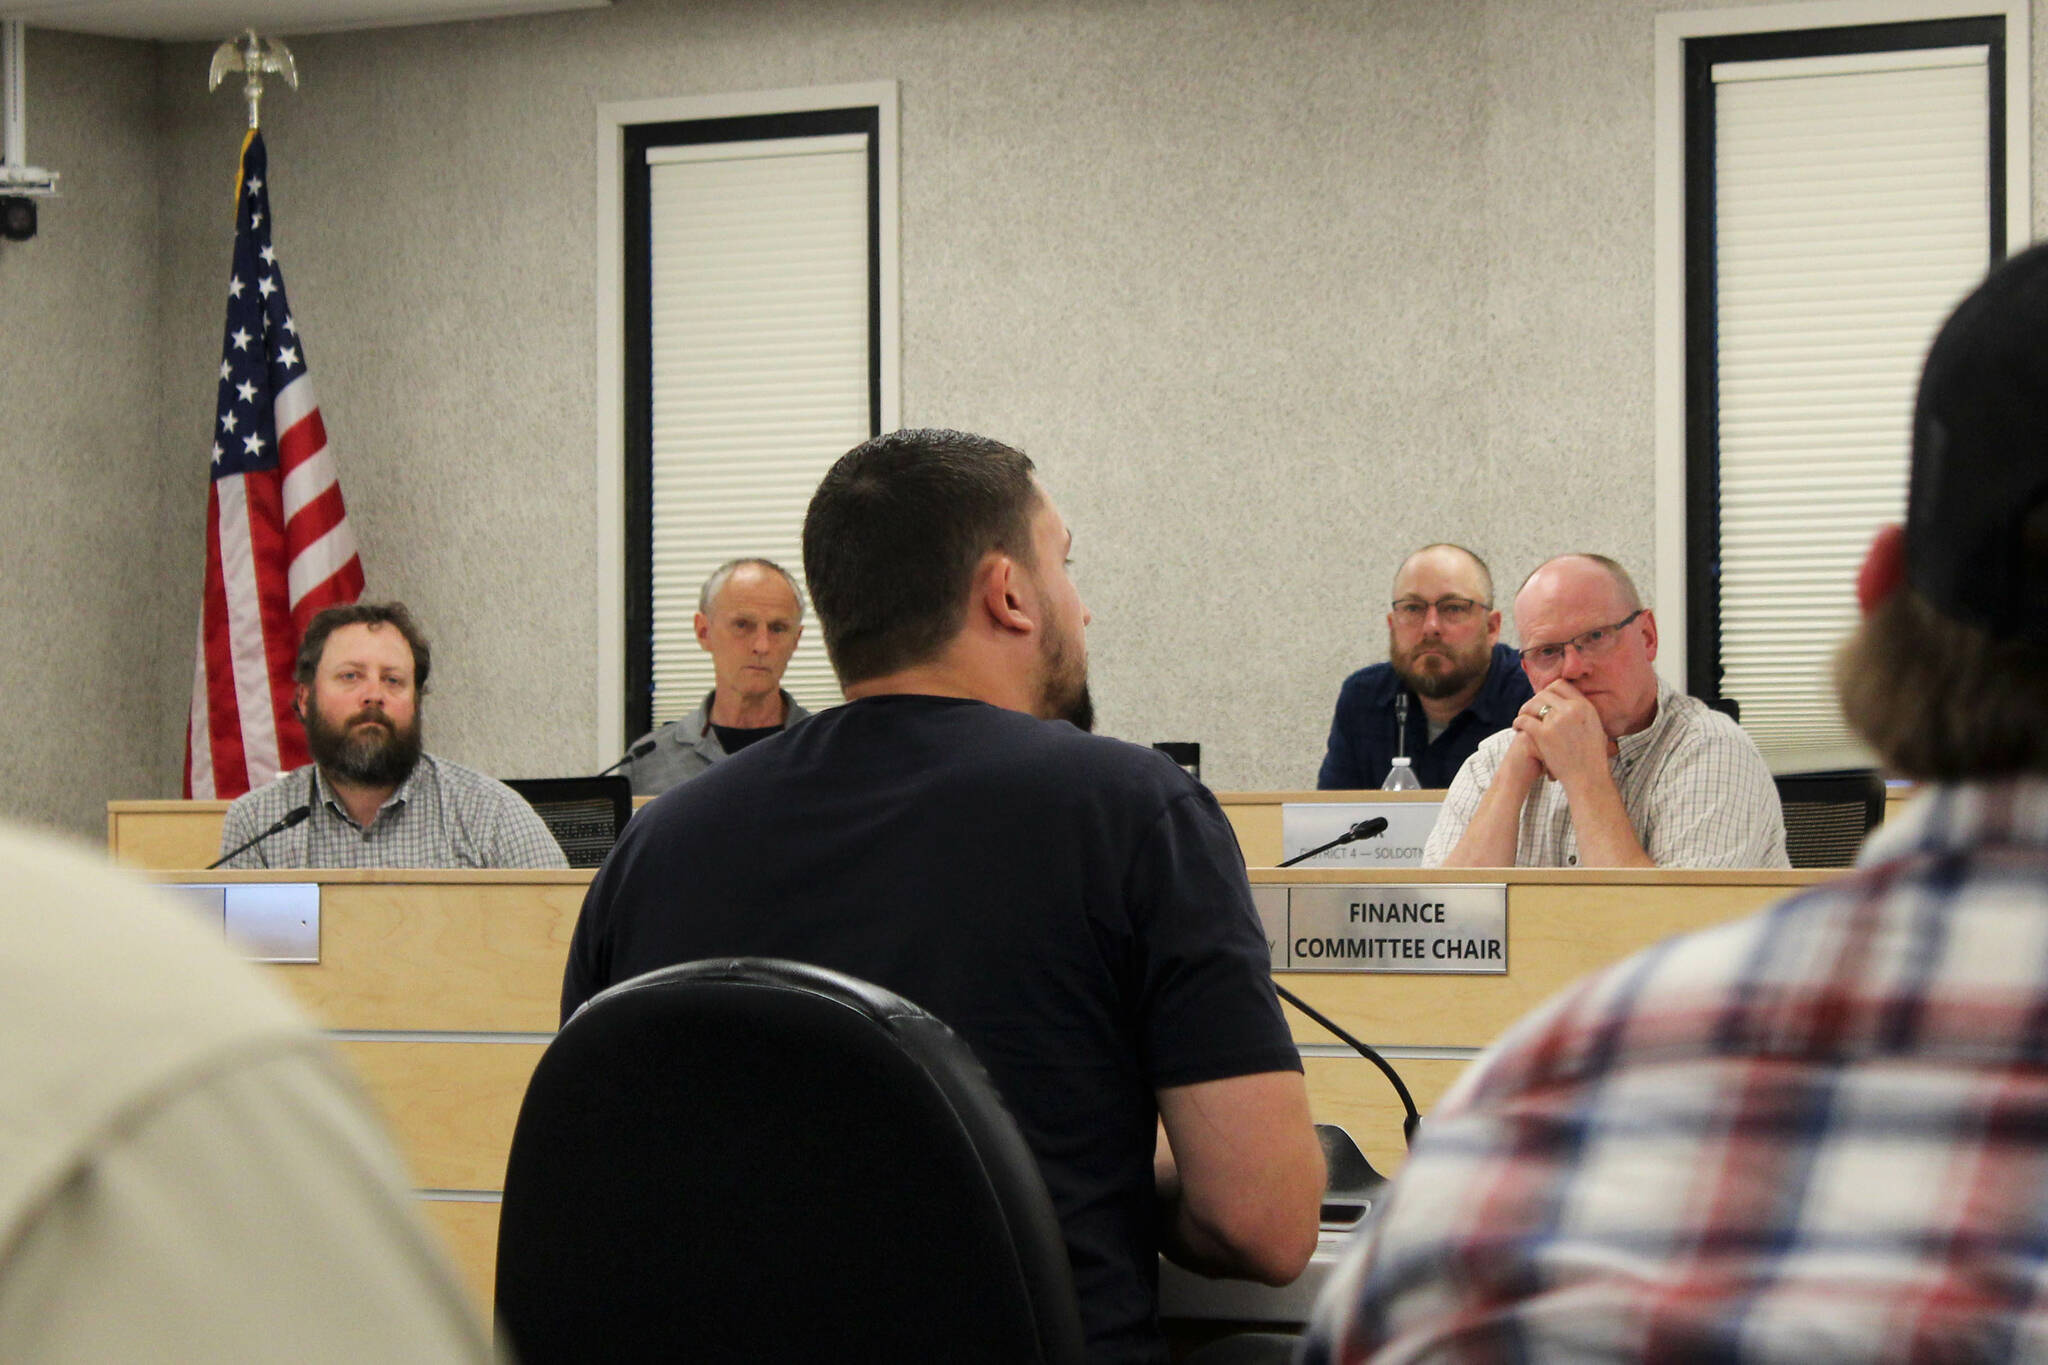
{"x":1544,"y":711}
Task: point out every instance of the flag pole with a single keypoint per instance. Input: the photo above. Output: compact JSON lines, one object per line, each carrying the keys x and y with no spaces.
{"x":278,"y":544}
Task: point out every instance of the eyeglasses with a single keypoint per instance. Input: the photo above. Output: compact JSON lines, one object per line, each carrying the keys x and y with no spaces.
{"x":1595,"y":643}
{"x":1452,"y":611}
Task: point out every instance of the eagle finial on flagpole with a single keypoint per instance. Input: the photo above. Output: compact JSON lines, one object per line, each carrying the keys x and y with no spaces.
{"x":253,"y":56}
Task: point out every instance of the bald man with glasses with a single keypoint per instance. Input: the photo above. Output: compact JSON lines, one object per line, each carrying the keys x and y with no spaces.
{"x":1606,"y":765}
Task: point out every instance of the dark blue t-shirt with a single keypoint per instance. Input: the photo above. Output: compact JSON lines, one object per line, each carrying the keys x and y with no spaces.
{"x":1073,"y":906}
{"x":1361,"y":749}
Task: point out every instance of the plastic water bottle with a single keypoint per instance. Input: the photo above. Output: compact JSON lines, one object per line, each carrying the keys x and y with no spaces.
{"x":1401,"y":777}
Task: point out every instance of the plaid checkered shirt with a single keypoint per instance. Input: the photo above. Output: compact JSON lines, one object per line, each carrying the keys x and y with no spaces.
{"x":443,"y":815}
{"x":1695,"y":788}
{"x":1816,"y":1134}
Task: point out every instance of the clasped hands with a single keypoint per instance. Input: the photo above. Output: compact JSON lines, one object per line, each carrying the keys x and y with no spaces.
{"x":1558,"y":734}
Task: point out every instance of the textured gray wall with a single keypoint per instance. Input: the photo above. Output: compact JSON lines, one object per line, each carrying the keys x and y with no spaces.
{"x":79,"y":464}
{"x":1273,"y":291}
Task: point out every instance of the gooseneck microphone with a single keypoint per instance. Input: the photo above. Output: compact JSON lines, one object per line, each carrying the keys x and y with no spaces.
{"x":1411,"y":1116}
{"x":632,"y":755}
{"x":290,"y":818}
{"x":1364,"y":829}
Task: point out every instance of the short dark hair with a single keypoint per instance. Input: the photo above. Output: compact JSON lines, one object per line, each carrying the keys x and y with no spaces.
{"x":1941,"y":700}
{"x":894,"y":534}
{"x":391,"y":614}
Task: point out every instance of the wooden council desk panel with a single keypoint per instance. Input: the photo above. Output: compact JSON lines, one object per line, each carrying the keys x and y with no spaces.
{"x":1562,"y":923}
{"x":166,"y":835}
{"x":442,"y":989}
{"x":174,"y":834}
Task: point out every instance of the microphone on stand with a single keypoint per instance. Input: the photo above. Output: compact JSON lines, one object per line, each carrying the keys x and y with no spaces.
{"x":632,"y":755}
{"x":1346,"y":1162}
{"x":290,"y":818}
{"x":1364,"y":829}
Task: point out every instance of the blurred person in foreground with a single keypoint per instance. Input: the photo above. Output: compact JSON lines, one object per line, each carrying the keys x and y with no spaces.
{"x":186,"y":1172}
{"x":1819,"y":1133}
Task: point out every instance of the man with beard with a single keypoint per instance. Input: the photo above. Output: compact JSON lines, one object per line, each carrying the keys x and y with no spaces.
{"x":1072,"y":906}
{"x":1447,"y":684}
{"x":375,"y":799}
{"x":1606,"y":765}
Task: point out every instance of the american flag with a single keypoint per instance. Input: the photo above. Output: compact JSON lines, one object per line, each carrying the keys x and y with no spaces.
{"x":278,"y":544}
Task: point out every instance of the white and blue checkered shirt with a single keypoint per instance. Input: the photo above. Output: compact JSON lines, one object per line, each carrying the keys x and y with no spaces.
{"x":444,"y":815}
{"x":1696,"y":790}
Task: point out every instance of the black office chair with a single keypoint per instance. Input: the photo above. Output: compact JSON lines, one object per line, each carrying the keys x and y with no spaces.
{"x":748,"y":1159}
{"x":1828,"y":814}
{"x":585,"y":814}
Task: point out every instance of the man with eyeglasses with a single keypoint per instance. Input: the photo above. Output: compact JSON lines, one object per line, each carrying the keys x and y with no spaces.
{"x":1606,"y":765}
{"x":1447,"y":684}
{"x":1817,"y":1133}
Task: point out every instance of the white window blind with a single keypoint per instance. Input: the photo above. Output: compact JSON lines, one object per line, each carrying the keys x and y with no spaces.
{"x":1852,"y":211}
{"x":759,"y":313}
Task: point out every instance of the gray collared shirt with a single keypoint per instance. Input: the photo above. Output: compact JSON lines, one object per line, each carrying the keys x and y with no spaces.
{"x":444,"y":815}
{"x":1696,"y":790}
{"x":684,"y":748}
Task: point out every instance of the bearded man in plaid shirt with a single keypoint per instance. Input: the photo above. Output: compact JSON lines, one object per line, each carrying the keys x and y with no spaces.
{"x":1820,"y":1133}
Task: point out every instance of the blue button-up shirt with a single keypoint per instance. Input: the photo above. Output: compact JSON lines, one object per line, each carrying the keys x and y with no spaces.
{"x":1362,"y":746}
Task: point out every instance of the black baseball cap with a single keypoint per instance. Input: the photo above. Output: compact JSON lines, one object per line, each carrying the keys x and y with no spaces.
{"x":1977,"y":512}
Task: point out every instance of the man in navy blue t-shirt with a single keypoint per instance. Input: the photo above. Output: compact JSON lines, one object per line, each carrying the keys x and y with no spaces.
{"x":1073,"y":906}
{"x":1448,"y":681}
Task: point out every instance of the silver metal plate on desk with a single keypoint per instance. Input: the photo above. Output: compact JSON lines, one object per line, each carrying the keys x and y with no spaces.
{"x":263,"y":921}
{"x":1432,"y":927}
{"x":1305,"y":824}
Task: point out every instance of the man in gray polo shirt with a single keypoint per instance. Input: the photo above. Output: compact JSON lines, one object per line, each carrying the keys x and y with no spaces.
{"x":749,"y":618}
{"x":372,"y":798}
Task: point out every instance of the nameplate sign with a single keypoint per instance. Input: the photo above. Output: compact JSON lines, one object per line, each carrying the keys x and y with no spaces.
{"x":1458,"y":928}
{"x":1305,"y":824}
{"x":263,"y":921}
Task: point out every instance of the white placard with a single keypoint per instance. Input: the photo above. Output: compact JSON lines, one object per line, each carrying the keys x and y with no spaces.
{"x":1304,"y":824}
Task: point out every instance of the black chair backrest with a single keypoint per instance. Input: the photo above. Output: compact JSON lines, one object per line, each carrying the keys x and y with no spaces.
{"x":585,"y":814}
{"x":1828,"y":814}
{"x":748,"y":1159}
